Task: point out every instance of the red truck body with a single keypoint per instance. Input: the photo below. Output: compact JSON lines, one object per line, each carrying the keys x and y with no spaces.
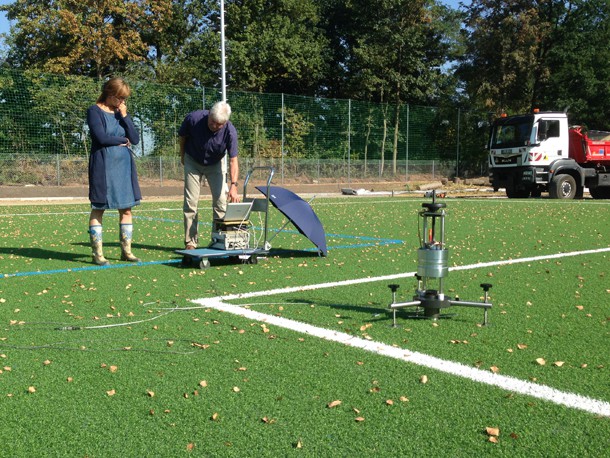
{"x":592,"y":147}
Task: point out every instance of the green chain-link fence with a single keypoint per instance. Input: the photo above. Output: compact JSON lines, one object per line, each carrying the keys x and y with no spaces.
{"x":44,"y":137}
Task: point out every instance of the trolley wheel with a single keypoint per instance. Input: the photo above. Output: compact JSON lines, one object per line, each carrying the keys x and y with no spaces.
{"x":204,"y":263}
{"x":253,"y":259}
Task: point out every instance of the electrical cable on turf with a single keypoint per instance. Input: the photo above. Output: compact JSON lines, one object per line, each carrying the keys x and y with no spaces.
{"x":55,"y":346}
{"x":198,"y":307}
{"x":116,"y":325}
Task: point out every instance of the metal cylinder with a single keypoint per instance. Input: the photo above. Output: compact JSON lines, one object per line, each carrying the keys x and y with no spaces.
{"x":432,"y":263}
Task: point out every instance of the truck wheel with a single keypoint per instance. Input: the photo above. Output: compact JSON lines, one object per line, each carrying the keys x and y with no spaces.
{"x":563,"y":186}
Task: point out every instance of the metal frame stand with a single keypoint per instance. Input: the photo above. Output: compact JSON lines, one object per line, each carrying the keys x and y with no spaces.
{"x":432,"y":269}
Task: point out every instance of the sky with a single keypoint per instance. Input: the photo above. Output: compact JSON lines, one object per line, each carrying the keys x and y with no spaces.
{"x":5,"y":24}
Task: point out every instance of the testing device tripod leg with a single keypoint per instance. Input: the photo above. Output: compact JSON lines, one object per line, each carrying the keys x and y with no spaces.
{"x":486,"y":287}
{"x":394,"y":288}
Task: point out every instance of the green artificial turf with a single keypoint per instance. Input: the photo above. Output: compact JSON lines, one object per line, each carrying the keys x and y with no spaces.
{"x":119,"y":361}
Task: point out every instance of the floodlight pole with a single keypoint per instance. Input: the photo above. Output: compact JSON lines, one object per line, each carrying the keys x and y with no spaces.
{"x":223,"y":69}
{"x":223,"y":76}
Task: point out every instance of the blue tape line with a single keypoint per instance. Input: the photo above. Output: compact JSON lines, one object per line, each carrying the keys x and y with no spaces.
{"x":376,"y":242}
{"x":88,"y":268}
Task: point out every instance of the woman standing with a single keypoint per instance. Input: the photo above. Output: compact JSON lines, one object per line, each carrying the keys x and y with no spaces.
{"x":113,"y":180}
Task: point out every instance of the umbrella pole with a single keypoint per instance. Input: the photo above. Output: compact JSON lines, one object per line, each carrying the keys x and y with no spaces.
{"x":285,"y":224}
{"x":266,"y":243}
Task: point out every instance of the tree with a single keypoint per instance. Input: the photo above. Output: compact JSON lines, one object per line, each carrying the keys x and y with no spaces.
{"x":391,"y":57}
{"x":579,"y":79}
{"x":187,"y":51}
{"x":93,"y":38}
{"x":275,"y":45}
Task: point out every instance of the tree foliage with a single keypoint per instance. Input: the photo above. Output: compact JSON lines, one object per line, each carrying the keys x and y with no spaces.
{"x":547,"y":54}
{"x":275,"y":45}
{"x":389,"y":55}
{"x":93,"y":37}
{"x":579,"y":79}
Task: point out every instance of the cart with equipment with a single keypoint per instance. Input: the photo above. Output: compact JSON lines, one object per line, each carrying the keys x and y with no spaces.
{"x":232,"y":237}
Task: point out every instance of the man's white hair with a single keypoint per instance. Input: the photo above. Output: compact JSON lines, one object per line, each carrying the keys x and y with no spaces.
{"x":220,"y":112}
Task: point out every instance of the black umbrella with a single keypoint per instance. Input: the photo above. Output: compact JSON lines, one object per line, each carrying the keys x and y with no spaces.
{"x":299,"y":213}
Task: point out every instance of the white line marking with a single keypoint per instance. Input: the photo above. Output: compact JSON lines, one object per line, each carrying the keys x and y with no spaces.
{"x":545,"y":393}
{"x":359,"y":281}
{"x":508,"y":383}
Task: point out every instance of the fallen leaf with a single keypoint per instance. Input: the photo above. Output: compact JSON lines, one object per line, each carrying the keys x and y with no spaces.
{"x":359,"y":419}
{"x":494,"y":369}
{"x":492,"y":431}
{"x":203,"y":383}
{"x":190,"y":447}
{"x":31,"y":389}
{"x":541,"y":361}
{"x":558,"y":363}
{"x":521,"y":346}
{"x":333,"y":404}
{"x":236,"y":389}
{"x":389,"y":402}
{"x":111,"y":392}
{"x":423,"y":379}
{"x":493,"y":439}
{"x":151,"y":393}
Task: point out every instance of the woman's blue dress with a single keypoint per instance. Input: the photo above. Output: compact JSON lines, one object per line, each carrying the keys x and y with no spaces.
{"x":113,"y":180}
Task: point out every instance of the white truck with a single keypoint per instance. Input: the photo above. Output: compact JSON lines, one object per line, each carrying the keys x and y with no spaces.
{"x":539,"y":152}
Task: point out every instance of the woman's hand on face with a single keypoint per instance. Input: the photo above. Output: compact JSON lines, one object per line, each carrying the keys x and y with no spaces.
{"x":123,"y":108}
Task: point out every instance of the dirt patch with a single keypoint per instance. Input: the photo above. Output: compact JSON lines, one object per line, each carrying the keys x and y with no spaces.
{"x":172,"y":190}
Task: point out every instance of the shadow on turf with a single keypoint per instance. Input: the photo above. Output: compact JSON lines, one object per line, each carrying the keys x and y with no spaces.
{"x":273,"y":253}
{"x":378,"y":313}
{"x":45,"y":253}
{"x":384,"y":314}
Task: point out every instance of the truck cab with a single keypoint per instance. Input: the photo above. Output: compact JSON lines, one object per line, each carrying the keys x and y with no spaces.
{"x":527,"y":153}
